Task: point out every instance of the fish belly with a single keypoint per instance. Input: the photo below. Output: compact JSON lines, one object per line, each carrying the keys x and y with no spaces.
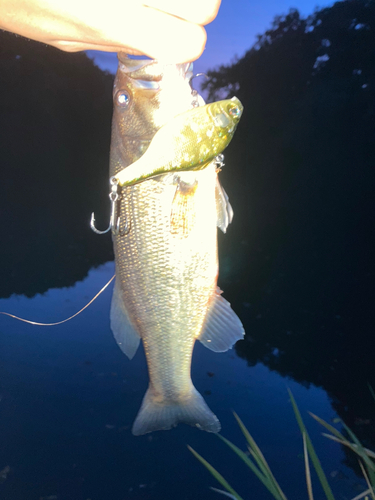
{"x":166,"y":272}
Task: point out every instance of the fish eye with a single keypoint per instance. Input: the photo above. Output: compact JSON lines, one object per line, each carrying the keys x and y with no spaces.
{"x":234,"y":110}
{"x":122,"y":98}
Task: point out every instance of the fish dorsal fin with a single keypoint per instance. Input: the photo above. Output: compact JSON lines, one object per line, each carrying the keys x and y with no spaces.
{"x":222,"y":327}
{"x":223,"y":207}
{"x":123,"y":330}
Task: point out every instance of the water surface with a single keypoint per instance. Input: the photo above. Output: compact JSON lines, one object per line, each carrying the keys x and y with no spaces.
{"x":69,"y":397}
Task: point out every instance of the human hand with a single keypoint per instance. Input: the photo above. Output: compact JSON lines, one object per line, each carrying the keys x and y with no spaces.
{"x":170,"y":30}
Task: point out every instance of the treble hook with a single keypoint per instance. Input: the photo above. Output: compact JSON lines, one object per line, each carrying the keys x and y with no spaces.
{"x":114,"y":222}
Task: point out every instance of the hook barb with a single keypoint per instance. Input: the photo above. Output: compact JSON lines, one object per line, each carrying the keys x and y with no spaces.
{"x":92,"y":225}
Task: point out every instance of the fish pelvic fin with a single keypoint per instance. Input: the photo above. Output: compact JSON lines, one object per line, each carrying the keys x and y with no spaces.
{"x":222,"y":327}
{"x":224,"y":209}
{"x":125,"y":335}
{"x":157,"y":415}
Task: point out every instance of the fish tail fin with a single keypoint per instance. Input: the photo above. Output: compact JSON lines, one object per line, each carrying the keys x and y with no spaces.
{"x":156,"y":415}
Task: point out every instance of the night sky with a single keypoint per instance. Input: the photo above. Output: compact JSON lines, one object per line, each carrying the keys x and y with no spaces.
{"x":233,"y":31}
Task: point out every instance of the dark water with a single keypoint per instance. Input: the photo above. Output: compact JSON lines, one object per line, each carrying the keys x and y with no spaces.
{"x":69,"y":397}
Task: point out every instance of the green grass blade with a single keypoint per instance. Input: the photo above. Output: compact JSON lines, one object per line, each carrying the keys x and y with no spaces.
{"x":329,"y":427}
{"x":307,"y":469}
{"x":260,"y":475}
{"x":359,"y":449}
{"x":259,"y":458}
{"x":253,"y":447}
{"x":314,"y":458}
{"x":356,"y":446}
{"x":216,"y":474}
{"x":222,"y":492}
{"x":363,"y":494}
{"x":337,"y":436}
{"x":271,"y":482}
{"x":249,"y":438}
{"x":350,"y":445}
{"x":367,"y":480}
{"x":261,"y":462}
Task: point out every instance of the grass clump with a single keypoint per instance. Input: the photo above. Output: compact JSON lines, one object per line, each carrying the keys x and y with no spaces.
{"x":256,"y":462}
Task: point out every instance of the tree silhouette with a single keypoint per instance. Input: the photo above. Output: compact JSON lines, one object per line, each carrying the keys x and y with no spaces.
{"x":298,"y":262}
{"x":55,"y":123}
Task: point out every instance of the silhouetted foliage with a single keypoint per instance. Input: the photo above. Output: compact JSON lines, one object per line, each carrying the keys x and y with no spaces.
{"x":55,"y":121}
{"x":300,"y":174}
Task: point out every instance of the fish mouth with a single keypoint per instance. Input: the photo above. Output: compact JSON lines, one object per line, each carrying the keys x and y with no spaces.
{"x":149,"y":73}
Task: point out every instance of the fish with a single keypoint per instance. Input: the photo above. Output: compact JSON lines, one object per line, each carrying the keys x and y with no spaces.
{"x":166,"y":261}
{"x":187,"y":142}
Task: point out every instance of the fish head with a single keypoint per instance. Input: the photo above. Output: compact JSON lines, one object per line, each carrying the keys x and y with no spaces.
{"x":146,"y":95}
{"x":224,"y":117}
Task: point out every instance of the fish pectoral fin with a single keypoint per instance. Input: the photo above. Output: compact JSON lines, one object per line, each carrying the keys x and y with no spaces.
{"x":222,"y":327}
{"x":157,"y":414}
{"x":123,"y":330}
{"x":224,"y":209}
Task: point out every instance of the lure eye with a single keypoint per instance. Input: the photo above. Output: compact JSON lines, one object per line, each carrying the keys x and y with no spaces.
{"x":122,"y":98}
{"x":234,"y":111}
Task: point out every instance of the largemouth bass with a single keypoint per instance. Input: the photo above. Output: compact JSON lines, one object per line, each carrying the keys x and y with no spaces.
{"x":166,"y":263}
{"x":187,"y":142}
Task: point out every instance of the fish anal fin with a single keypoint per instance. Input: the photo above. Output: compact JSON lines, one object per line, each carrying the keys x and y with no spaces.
{"x":224,"y":209}
{"x":222,"y":327}
{"x":158,"y":414}
{"x":123,"y":331}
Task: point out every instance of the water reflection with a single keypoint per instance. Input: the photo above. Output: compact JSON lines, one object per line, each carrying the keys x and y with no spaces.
{"x":69,"y":397}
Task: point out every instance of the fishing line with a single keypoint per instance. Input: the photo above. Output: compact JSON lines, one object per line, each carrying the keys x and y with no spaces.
{"x":64,"y":320}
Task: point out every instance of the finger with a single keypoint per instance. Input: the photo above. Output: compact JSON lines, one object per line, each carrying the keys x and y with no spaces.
{"x":79,"y":46}
{"x":195,"y":11}
{"x":166,"y":37}
{"x":142,"y":30}
{"x":116,"y":25}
